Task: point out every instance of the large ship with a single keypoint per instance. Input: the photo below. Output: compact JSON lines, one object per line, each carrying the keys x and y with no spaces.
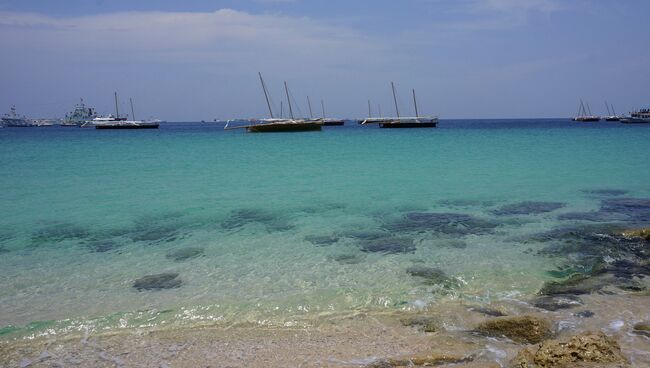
{"x":637,"y":117}
{"x":80,"y":116}
{"x":12,"y":119}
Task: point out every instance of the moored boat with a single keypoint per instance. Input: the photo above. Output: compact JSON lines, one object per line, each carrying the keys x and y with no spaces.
{"x":117,"y":122}
{"x":403,"y":122}
{"x":585,"y":115}
{"x":641,"y":116}
{"x":13,"y":120}
{"x":79,"y":116}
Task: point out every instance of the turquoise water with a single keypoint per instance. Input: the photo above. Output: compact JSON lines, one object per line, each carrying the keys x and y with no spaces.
{"x":85,"y":213}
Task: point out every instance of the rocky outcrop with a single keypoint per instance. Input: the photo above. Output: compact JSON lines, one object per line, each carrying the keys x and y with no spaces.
{"x":638,"y":233}
{"x":584,"y":350}
{"x":522,"y":329}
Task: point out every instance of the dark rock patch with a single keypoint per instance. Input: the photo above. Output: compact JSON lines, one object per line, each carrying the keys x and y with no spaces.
{"x":576,"y":284}
{"x":321,"y":240}
{"x":388,"y":245}
{"x":606,"y":192}
{"x":185,"y":254}
{"x":522,"y":329}
{"x":465,"y":203}
{"x":243,"y":217}
{"x":528,"y":208}
{"x":446,"y":223}
{"x":430,"y":275}
{"x":59,"y":232}
{"x":592,"y":216}
{"x":584,"y":314}
{"x":168,"y":280}
{"x":102,"y":245}
{"x":492,"y":312}
{"x":366,"y":234}
{"x":347,"y":258}
{"x":155,"y":233}
{"x":642,"y":328}
{"x":422,"y":322}
{"x":636,"y":209}
{"x":557,"y":302}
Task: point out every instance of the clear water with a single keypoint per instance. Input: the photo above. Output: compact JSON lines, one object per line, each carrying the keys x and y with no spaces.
{"x":139,"y":195}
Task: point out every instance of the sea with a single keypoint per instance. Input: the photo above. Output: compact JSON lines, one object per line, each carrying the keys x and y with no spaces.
{"x":191,"y":225}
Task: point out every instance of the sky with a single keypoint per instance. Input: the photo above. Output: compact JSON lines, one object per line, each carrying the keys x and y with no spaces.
{"x":183,"y":60}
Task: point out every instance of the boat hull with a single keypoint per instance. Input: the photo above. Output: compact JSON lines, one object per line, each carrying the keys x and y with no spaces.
{"x":407,"y":125}
{"x":586,"y":120}
{"x":125,"y":126}
{"x":333,"y":123}
{"x":635,"y":121}
{"x":284,"y":127}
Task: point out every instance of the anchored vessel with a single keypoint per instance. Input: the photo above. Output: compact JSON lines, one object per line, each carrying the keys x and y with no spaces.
{"x":585,"y":115}
{"x":279,"y":125}
{"x":403,"y":122}
{"x":79,"y":116}
{"x":12,"y":119}
{"x":611,"y":114}
{"x":117,"y":122}
{"x":637,"y":117}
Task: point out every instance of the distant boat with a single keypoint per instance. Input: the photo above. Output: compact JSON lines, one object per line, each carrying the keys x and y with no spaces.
{"x":117,"y":122}
{"x":328,"y":121}
{"x":637,"y":117}
{"x":585,"y":115}
{"x":278,"y":125}
{"x":79,"y":116}
{"x":13,"y":120}
{"x":611,"y":114}
{"x":403,"y":122}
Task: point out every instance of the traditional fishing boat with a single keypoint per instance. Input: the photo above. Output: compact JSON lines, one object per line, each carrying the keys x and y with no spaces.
{"x":329,"y":121}
{"x":637,"y":117}
{"x":585,"y":115}
{"x":403,"y":122}
{"x":278,"y":125}
{"x":611,"y":114}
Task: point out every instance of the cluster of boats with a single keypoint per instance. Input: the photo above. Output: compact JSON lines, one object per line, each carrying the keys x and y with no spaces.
{"x":636,"y":117}
{"x":293,"y":124}
{"x":84,"y":117}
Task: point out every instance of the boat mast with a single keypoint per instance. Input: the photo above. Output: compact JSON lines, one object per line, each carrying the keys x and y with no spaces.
{"x":311,"y":114}
{"x":132,"y":113}
{"x":589,"y":109}
{"x":286,"y":89}
{"x":281,"y":109}
{"x":379,"y":109}
{"x":581,"y":109}
{"x":395,"y":98}
{"x":117,"y":111}
{"x":369,"y":110}
{"x":415,"y":103}
{"x":614,"y":111}
{"x":609,"y":113}
{"x":266,"y":95}
{"x":322,"y":105}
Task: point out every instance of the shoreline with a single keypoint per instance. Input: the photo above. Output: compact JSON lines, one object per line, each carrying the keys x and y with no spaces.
{"x":357,"y":340}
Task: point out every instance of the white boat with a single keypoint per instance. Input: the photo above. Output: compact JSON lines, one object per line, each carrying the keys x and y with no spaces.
{"x":80,"y":115}
{"x":637,"y":117}
{"x":585,"y":115}
{"x":12,"y":119}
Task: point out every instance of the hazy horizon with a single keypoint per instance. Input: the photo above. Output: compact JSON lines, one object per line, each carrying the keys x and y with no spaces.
{"x":198,"y":60}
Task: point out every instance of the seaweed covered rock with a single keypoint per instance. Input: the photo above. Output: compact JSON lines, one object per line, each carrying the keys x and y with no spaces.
{"x":643,"y":233}
{"x":421,"y":360}
{"x":528,"y":208}
{"x":388,"y":245}
{"x":488,"y":311}
{"x":445,"y":223}
{"x":575,"y":284}
{"x":522,"y":329}
{"x":431,"y":275}
{"x":167,"y":280}
{"x":557,"y":302}
{"x":587,"y":348}
{"x":422,"y":322}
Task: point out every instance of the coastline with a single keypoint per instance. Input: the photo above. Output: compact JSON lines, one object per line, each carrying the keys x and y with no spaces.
{"x":355,"y":340}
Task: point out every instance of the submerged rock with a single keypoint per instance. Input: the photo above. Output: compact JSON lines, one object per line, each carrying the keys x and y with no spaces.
{"x":606,"y":192}
{"x":528,"y":208}
{"x":421,"y":360}
{"x":430,"y":275}
{"x":584,"y":314}
{"x":348,"y":258}
{"x":366,"y":234}
{"x":557,"y":302}
{"x":102,"y":246}
{"x":167,"y":280}
{"x":446,"y":223}
{"x":321,"y":240}
{"x":643,"y":233}
{"x":59,"y":232}
{"x":242,"y":217}
{"x":388,"y":245}
{"x":576,"y":284}
{"x":642,"y":328}
{"x":492,"y":312}
{"x":522,"y":329}
{"x":636,"y":209}
{"x":589,"y":347}
{"x":422,"y":322}
{"x":185,"y":253}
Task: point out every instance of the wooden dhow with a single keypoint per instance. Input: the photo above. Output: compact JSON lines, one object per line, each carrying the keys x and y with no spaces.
{"x":403,"y":122}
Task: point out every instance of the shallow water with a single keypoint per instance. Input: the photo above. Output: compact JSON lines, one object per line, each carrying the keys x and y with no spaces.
{"x":85,"y":213}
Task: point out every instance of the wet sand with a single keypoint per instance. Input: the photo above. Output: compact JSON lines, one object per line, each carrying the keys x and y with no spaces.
{"x":355,"y":340}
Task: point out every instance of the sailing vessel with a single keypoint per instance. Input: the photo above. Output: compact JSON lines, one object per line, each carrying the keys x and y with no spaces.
{"x":13,"y":120}
{"x":79,"y":116}
{"x":641,"y":116}
{"x":585,"y":115}
{"x":611,"y":114}
{"x":278,"y":125}
{"x":329,"y":121}
{"x":117,"y":122}
{"x":403,"y":122}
